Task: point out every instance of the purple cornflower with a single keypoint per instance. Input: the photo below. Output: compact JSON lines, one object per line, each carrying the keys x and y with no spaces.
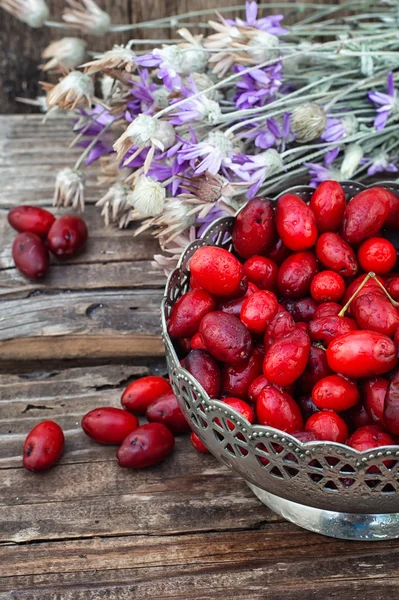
{"x":195,"y":109}
{"x":98,"y":118}
{"x":334,"y":131}
{"x":216,"y":152}
{"x":269,"y":24}
{"x":331,"y":155}
{"x":255,"y":169}
{"x":257,"y":87}
{"x":143,"y":98}
{"x":386,"y":103}
{"x":320,"y":173}
{"x":381,"y":163}
{"x":272,"y":133}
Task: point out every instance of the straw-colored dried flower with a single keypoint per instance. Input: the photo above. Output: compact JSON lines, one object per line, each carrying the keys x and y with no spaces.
{"x":87,"y":16}
{"x":69,"y":189}
{"x":76,"y":89}
{"x":148,"y":196}
{"x":173,"y":249}
{"x":120,"y":57}
{"x":115,"y":207}
{"x":32,"y":12}
{"x":68,"y":52}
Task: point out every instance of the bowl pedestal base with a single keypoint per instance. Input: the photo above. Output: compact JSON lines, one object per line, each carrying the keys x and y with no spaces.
{"x":347,"y":526}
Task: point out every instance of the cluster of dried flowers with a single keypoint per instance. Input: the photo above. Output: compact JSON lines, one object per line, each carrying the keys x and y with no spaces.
{"x":186,"y":132}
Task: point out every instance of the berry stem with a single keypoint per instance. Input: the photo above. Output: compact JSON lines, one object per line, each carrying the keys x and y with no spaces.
{"x":365,"y":280}
{"x":388,"y":295}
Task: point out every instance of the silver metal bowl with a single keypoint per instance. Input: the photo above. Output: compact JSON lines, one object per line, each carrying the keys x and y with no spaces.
{"x":325,"y":487}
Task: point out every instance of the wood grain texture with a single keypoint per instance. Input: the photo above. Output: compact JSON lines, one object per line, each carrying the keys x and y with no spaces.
{"x":101,"y":304}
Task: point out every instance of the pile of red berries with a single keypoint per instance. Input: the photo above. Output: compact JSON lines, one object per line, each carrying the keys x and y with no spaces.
{"x":39,"y":233}
{"x":298,"y":328}
{"x":139,"y":445}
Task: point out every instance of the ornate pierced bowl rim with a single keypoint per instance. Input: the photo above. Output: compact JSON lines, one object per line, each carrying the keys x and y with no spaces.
{"x":263,"y":430}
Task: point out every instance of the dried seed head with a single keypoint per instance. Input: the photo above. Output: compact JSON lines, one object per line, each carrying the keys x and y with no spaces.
{"x":32,"y":12}
{"x":69,"y":189}
{"x":209,"y":188}
{"x":87,"y":16}
{"x":203,"y":82}
{"x":308,"y":121}
{"x":262,"y":45}
{"x":115,"y":207}
{"x":148,"y":197}
{"x":119,"y":57}
{"x":143,"y":132}
{"x":76,"y":89}
{"x":352,"y":158}
{"x":67,"y":52}
{"x":173,"y":249}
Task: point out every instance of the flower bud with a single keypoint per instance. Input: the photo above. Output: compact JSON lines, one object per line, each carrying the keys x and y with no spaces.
{"x":32,"y":12}
{"x":352,"y":157}
{"x":148,"y":197}
{"x":69,"y":189}
{"x":308,"y":121}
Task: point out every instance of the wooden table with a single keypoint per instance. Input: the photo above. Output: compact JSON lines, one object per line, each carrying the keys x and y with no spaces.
{"x":88,"y":530}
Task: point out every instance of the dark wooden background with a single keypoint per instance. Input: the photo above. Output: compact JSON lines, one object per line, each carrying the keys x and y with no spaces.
{"x":21,"y":46}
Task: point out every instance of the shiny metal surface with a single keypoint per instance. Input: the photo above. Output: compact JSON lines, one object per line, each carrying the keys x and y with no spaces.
{"x":320,"y":475}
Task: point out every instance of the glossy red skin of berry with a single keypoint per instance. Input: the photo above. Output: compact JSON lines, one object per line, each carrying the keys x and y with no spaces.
{"x":166,"y":410}
{"x":148,"y":445}
{"x":391,"y":406}
{"x":226,"y":338}
{"x":374,"y":392}
{"x":241,"y":291}
{"x":236,"y":379}
{"x":109,"y":425}
{"x":43,"y":446}
{"x":206,"y":371}
{"x":393,"y":288}
{"x":307,"y":406}
{"x":327,"y":286}
{"x":198,"y":444}
{"x":327,"y":309}
{"x":233,"y":307}
{"x":242,"y":407}
{"x":296,"y":274}
{"x":262,"y":272}
{"x":359,"y":417}
{"x":278,"y":409}
{"x":30,"y":256}
{"x":287,"y":358}
{"x":296,"y":223}
{"x":304,"y":436}
{"x":335,"y":254}
{"x":365,"y":215}
{"x":257,"y":386}
{"x":328,"y":426}
{"x":302,"y":309}
{"x":67,"y":236}
{"x":370,"y":437}
{"x":328,"y":206}
{"x":278,"y":252}
{"x":258,"y":310}
{"x":374,"y":311}
{"x":279,"y":326}
{"x":392,"y":220}
{"x":327,"y":329}
{"x":362,"y":354}
{"x":378,"y":255}
{"x":316,"y":369}
{"x":216,"y":270}
{"x":254,"y":228}
{"x":194,"y":285}
{"x":31,"y":218}
{"x":196,"y":342}
{"x":139,"y":394}
{"x":335,"y":393}
{"x":187,"y":313}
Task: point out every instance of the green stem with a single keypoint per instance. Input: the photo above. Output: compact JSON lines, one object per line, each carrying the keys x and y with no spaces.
{"x":365,"y":280}
{"x":388,"y":295}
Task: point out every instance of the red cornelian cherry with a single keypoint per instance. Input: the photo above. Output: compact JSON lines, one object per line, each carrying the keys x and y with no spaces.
{"x":328,"y":206}
{"x":31,"y":218}
{"x":216,"y":270}
{"x":43,"y":446}
{"x":278,"y":409}
{"x":327,"y":286}
{"x":296,"y":223}
{"x":67,"y":236}
{"x":109,"y":425}
{"x":368,"y":437}
{"x":334,"y":392}
{"x":198,"y":444}
{"x":258,"y":310}
{"x":374,"y":391}
{"x":242,"y":407}
{"x":378,"y":255}
{"x":144,"y":391}
{"x":262,"y":272}
{"x":328,"y":426}
{"x":187,"y":313}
